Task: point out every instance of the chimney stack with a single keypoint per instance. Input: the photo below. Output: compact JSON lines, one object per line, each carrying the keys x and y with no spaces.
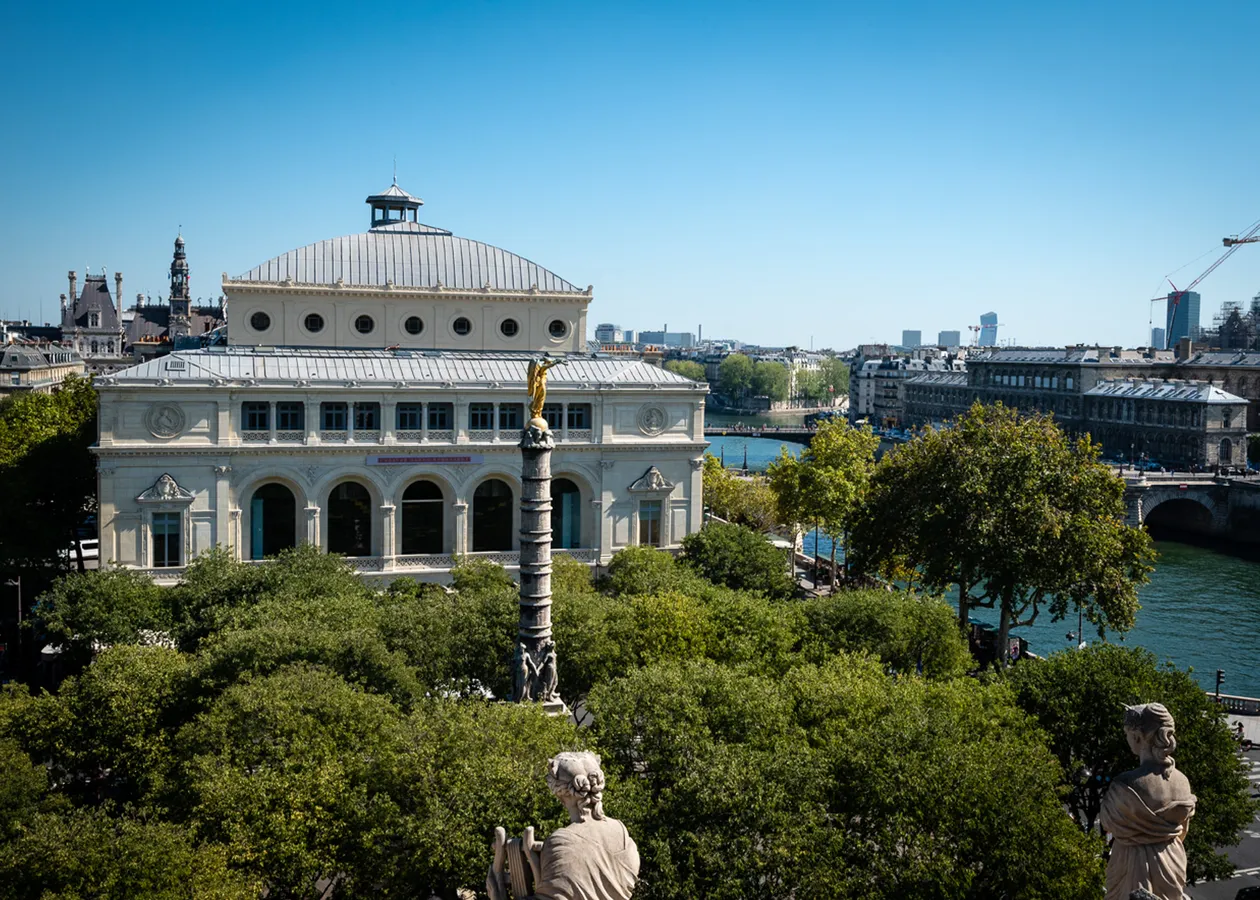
{"x":74,"y":281}
{"x":118,"y":300}
{"x":63,"y":305}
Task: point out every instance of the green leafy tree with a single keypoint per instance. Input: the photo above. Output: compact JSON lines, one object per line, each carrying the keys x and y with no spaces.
{"x":47,"y":474}
{"x":88,"y":610}
{"x":742,"y":500}
{"x":907,"y":632}
{"x":739,"y":558}
{"x":834,"y":781}
{"x":835,"y":376}
{"x":770,"y":379}
{"x":810,"y":387}
{"x":826,"y":484}
{"x":91,"y":853}
{"x":1013,"y":513}
{"x":1079,"y":697}
{"x":735,"y":376}
{"x":686,"y":368}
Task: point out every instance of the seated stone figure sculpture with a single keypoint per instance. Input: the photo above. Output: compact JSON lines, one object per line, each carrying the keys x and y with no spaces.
{"x":1148,"y":811}
{"x":592,"y":858}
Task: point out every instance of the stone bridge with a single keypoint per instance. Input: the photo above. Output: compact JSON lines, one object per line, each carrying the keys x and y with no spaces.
{"x":1221,"y":507}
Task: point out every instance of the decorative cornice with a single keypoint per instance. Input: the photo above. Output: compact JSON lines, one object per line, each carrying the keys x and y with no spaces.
{"x":532,"y":295}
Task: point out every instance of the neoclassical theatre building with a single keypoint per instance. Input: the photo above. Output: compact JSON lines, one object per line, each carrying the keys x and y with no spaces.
{"x":369,"y":401}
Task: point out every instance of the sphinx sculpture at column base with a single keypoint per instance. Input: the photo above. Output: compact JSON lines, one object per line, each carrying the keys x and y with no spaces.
{"x":591,"y":858}
{"x":1147,"y":810}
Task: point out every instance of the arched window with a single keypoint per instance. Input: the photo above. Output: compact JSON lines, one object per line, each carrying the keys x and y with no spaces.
{"x":566,"y":514}
{"x":492,"y":516}
{"x":1227,"y":452}
{"x":422,"y":513}
{"x":272,"y":521}
{"x":350,"y":520}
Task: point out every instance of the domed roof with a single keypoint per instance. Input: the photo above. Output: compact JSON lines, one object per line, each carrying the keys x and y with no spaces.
{"x":402,"y":252}
{"x":408,"y":255}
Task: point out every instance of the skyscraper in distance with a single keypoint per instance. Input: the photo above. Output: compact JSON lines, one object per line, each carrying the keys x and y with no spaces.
{"x":1182,"y":319}
{"x":949,"y":339}
{"x":988,"y":329}
{"x":1157,"y":338}
{"x":911,"y":338}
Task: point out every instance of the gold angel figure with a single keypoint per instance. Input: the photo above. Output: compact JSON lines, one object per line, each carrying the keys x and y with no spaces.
{"x":537,"y":383}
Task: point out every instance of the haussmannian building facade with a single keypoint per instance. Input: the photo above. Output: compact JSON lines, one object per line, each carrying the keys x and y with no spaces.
{"x":1127,"y":400}
{"x":369,"y":401}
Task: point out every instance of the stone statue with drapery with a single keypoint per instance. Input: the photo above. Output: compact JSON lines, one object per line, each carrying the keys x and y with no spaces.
{"x":1147,"y":810}
{"x":591,"y":858}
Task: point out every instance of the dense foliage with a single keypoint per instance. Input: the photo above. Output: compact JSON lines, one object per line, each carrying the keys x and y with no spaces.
{"x":1013,"y":513}
{"x":686,"y":368}
{"x":824,"y":487}
{"x":289,"y":726}
{"x":47,"y":475}
{"x":742,"y":499}
{"x":1079,"y":697}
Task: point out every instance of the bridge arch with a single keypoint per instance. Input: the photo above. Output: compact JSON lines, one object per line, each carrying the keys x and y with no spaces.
{"x":1192,"y":509}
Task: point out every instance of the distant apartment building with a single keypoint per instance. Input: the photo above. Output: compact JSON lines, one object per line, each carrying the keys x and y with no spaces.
{"x":911,"y":339}
{"x":949,"y":339}
{"x":1158,"y":341}
{"x":1135,"y":404}
{"x":668,"y":338}
{"x":609,"y":334}
{"x":36,"y":367}
{"x":876,"y":390}
{"x":1182,"y":317}
{"x":988,"y":329}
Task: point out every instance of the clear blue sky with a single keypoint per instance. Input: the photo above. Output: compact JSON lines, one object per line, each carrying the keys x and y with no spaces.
{"x":777,"y":172}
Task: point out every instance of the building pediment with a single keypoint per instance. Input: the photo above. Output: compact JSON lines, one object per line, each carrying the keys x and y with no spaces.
{"x":652,"y":482}
{"x":165,"y":490}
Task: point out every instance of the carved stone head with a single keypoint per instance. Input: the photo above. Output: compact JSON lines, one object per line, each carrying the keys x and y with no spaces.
{"x":1151,"y":732}
{"x":578,"y":782}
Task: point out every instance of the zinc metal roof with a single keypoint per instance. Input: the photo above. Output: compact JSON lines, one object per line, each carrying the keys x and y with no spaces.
{"x":384,"y":369}
{"x":408,"y":255}
{"x":1241,"y":358}
{"x":939,"y":379}
{"x":1185,"y":391}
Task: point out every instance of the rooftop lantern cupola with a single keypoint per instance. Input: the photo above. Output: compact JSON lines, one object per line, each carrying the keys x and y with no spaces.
{"x":394,"y":205}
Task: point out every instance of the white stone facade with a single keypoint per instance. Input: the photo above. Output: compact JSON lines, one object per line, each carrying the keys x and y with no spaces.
{"x":402,"y":458}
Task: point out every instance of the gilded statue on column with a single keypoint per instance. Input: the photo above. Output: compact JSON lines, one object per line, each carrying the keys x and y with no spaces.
{"x":536,"y":382}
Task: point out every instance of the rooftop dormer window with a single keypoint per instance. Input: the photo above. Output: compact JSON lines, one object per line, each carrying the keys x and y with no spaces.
{"x":94,"y":320}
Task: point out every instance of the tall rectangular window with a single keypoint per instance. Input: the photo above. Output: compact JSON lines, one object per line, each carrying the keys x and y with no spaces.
{"x":481,"y":416}
{"x":554,"y":414}
{"x":165,"y":540}
{"x":291,"y":416}
{"x":650,"y":523}
{"x":409,"y":416}
{"x":255,"y":416}
{"x":511,"y":416}
{"x":579,"y":415}
{"x":332,"y":416}
{"x":367,"y":416}
{"x":441,"y":415}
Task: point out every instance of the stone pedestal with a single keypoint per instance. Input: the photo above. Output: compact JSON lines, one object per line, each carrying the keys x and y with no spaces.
{"x":534,"y":665}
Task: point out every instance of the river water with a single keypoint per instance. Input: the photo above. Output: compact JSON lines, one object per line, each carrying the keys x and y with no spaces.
{"x":1201,"y":608}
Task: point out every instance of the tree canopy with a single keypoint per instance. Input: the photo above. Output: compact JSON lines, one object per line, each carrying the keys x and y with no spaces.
{"x":1079,"y":696}
{"x":744,"y":500}
{"x":47,"y":474}
{"x":735,"y":375}
{"x":1010,"y":511}
{"x":686,"y":368}
{"x":302,"y":728}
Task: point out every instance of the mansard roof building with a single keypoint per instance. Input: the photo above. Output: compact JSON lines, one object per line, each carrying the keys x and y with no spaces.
{"x":369,"y":400}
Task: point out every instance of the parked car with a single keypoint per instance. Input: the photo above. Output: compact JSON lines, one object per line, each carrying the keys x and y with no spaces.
{"x":91,"y":550}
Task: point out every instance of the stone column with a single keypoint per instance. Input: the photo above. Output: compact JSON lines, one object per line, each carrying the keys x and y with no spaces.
{"x":534,"y":664}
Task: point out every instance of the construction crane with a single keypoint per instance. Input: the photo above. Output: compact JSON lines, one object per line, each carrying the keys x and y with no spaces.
{"x":1232,"y":244}
{"x":976,"y":329}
